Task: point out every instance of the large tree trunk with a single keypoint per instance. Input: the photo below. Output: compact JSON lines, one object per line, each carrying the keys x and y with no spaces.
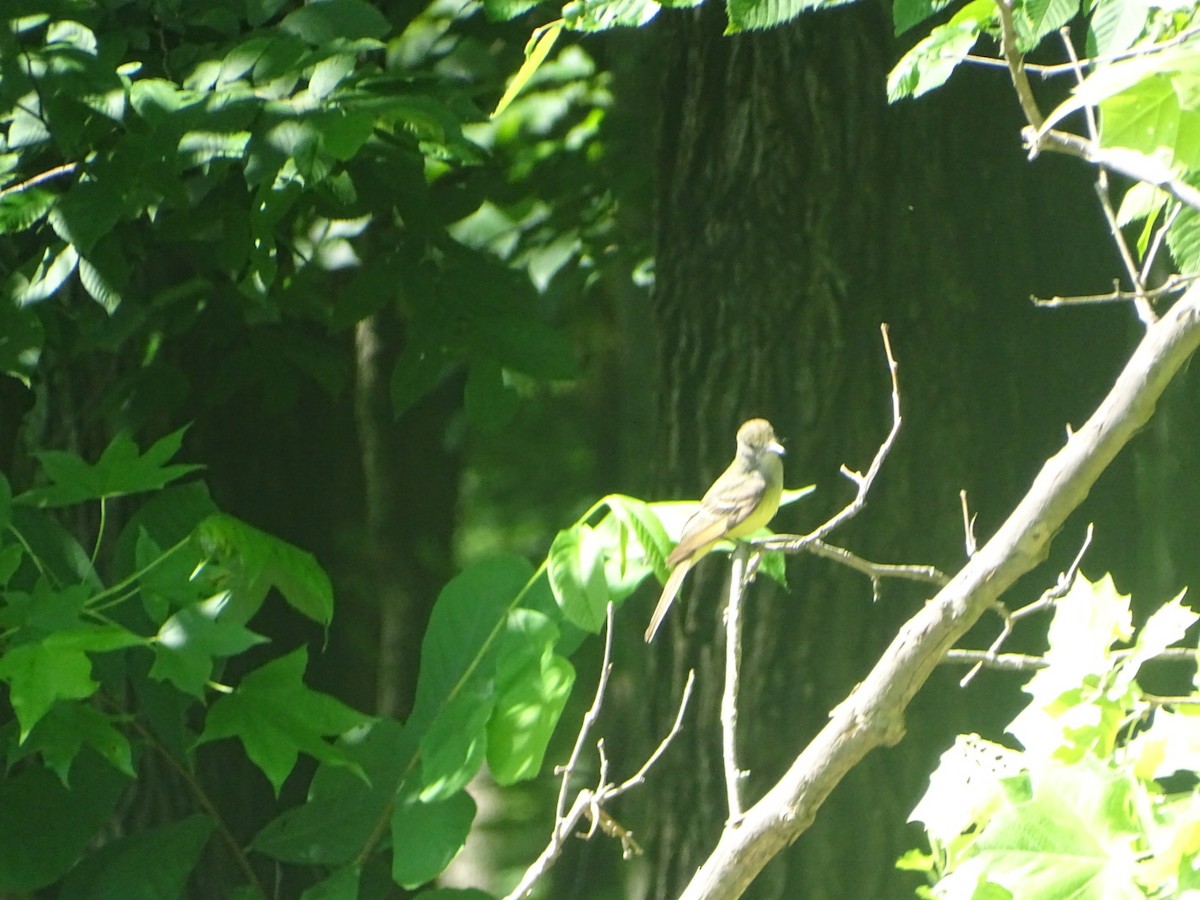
{"x":796,"y":212}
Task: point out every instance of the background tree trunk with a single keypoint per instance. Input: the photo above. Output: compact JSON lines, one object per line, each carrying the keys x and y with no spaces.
{"x":796,"y":211}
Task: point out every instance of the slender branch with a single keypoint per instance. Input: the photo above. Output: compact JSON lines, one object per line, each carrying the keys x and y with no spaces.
{"x":873,"y":714}
{"x":729,"y":696}
{"x":1173,"y":285}
{"x":1121,"y":160}
{"x":1016,"y":65}
{"x":1160,"y":235}
{"x":968,"y":525}
{"x":590,"y":802}
{"x":589,"y":717}
{"x":863,"y":482}
{"x":1048,"y":598}
{"x":1145,"y":311}
{"x":1024,"y":662}
{"x":56,"y":172}
{"x":877,"y":571}
{"x":1047,"y":71}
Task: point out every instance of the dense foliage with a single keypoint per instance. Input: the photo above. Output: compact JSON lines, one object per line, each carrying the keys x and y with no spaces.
{"x":201,"y":200}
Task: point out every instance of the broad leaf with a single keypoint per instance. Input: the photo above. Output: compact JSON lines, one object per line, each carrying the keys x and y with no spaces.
{"x":276,"y":717}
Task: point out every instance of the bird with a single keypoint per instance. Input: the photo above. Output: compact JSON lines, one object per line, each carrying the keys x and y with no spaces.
{"x":742,"y":500}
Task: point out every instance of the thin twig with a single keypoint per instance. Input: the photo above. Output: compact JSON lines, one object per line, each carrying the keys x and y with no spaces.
{"x":590,"y":802}
{"x":729,"y":696}
{"x":968,"y":524}
{"x":1024,"y":662}
{"x":1160,"y":234}
{"x":1048,"y":71}
{"x":1121,"y":160}
{"x":1173,"y":285}
{"x":1048,"y":598}
{"x":589,"y":717}
{"x":878,"y":571}
{"x":56,"y":172}
{"x":1145,"y":311}
{"x":863,"y":482}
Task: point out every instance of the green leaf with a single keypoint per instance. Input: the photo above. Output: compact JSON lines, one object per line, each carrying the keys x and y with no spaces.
{"x":600,"y":15}
{"x":1183,"y":239}
{"x":927,"y":65}
{"x":505,"y":10}
{"x":55,"y":549}
{"x":453,"y":747}
{"x":5,"y":501}
{"x":749,"y":15}
{"x":276,"y":717}
{"x":490,"y":402}
{"x":1087,"y":622}
{"x":21,"y":340}
{"x":532,"y":684}
{"x":427,"y":836}
{"x":42,"y":673}
{"x":46,"y":827}
{"x":576,"y":569}
{"x":464,"y":627}
{"x":342,"y":809}
{"x":327,"y":20}
{"x":257,"y":562}
{"x":1114,"y":26}
{"x":907,"y":13}
{"x":341,"y":885}
{"x":329,"y":73}
{"x":967,"y":788}
{"x":69,"y":727}
{"x":527,"y":345}
{"x":418,"y":370}
{"x":156,"y":99}
{"x":23,"y":209}
{"x":42,"y":278}
{"x":1074,"y":837}
{"x":1166,"y":625}
{"x":120,"y":470}
{"x":192,"y":639}
{"x":1039,"y":18}
{"x":86,"y":213}
{"x":152,"y":863}
{"x":99,"y":286}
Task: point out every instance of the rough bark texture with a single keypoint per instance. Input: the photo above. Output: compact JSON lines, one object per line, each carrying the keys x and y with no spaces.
{"x":795,"y":212}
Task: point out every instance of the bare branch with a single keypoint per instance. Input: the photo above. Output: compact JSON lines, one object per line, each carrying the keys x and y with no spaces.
{"x":589,"y":717}
{"x":1173,"y":285}
{"x":1022,"y":662}
{"x":1016,"y":65}
{"x":1121,"y":160}
{"x":1048,"y":598}
{"x":590,"y":803}
{"x":968,"y":525}
{"x":56,"y":172}
{"x":1048,"y":71}
{"x":793,"y":544}
{"x":877,"y":571}
{"x":729,"y":696}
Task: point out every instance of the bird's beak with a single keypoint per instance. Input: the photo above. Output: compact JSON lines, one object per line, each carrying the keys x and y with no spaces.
{"x":776,"y":447}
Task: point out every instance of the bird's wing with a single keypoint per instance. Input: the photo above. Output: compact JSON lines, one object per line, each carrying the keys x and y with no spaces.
{"x":728,"y":503}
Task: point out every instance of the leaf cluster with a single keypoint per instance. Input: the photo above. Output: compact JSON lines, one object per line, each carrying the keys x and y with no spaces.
{"x":197,"y":179}
{"x":1102,"y":799}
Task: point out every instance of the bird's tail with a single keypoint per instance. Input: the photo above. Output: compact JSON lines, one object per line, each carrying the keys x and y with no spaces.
{"x":669,"y":592}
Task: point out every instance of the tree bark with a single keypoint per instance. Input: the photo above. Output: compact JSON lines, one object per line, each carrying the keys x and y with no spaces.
{"x":796,"y":211}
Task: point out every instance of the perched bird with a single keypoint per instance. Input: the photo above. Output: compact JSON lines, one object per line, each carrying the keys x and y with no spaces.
{"x":741,"y":501}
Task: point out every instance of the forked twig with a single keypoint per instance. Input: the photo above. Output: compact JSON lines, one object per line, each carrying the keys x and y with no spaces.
{"x":590,"y":802}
